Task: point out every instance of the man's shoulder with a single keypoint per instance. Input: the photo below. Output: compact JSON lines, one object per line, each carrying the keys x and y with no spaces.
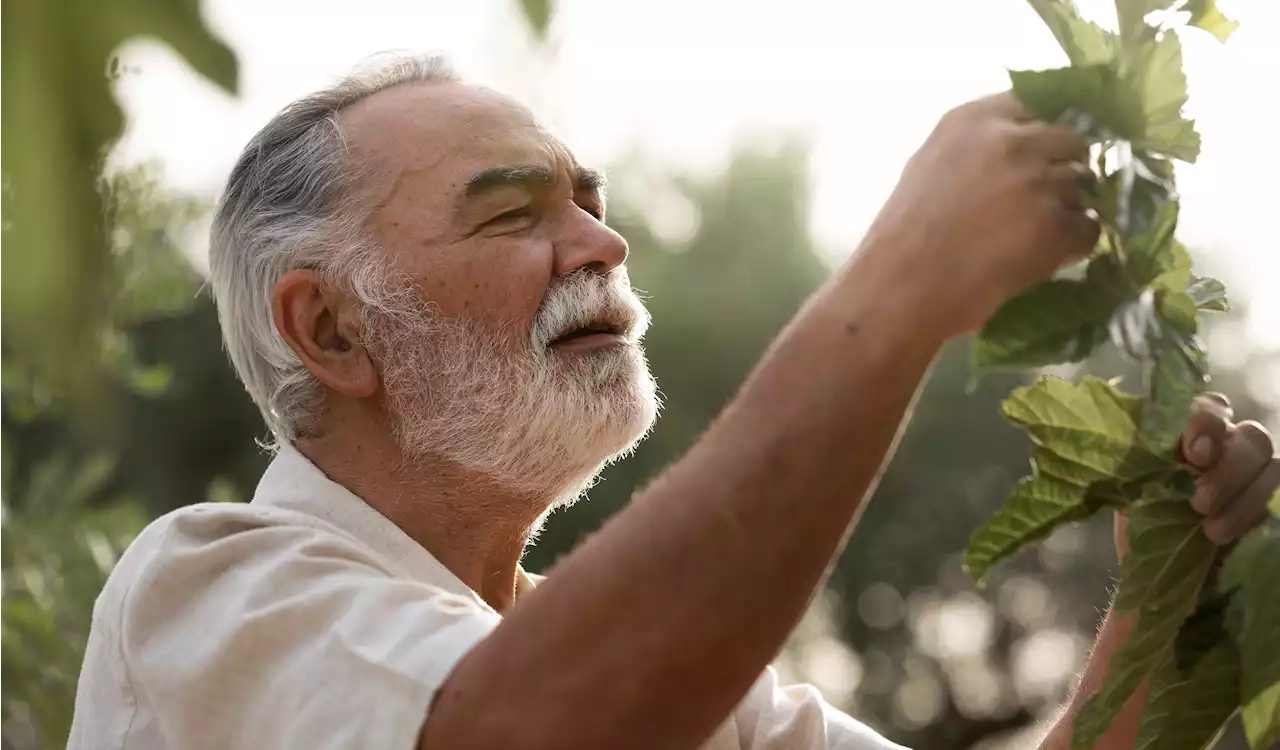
{"x":192,"y":527}
{"x":197,"y":545}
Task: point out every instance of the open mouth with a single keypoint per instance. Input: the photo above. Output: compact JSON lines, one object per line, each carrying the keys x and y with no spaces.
{"x":595,"y":329}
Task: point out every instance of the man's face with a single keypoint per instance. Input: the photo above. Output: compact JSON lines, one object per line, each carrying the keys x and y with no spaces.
{"x":507,"y":335}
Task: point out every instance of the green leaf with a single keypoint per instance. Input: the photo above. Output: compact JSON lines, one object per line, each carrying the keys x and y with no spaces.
{"x":1169,"y":558}
{"x":1166,"y":545}
{"x":1061,"y":94}
{"x":1088,"y":455}
{"x":1177,"y":371}
{"x":1131,"y":15}
{"x":1037,"y":506}
{"x":1158,"y":327}
{"x":1153,"y":251}
{"x":1187,"y":709}
{"x":1204,"y":629}
{"x":1147,"y":201}
{"x":1084,"y":42}
{"x":1208,"y":294}
{"x":1262,"y":719}
{"x":1157,"y":79}
{"x":1058,"y":321}
{"x":538,"y":14}
{"x":1238,"y":565}
{"x":1254,"y":568}
{"x":1205,"y":15}
{"x":1176,"y":275}
{"x":1085,"y":432}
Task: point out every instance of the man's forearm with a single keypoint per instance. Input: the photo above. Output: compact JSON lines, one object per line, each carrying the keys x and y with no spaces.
{"x":1116,"y":630}
{"x":651,"y":632}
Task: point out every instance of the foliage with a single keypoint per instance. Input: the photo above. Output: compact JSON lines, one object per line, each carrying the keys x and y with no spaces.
{"x":1097,"y":447}
{"x":65,"y":518}
{"x":59,"y":118}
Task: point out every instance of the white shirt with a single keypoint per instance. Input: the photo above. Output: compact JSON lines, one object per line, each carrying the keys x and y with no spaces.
{"x":305,"y":619}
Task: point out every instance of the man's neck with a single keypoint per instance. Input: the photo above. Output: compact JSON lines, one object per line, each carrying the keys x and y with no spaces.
{"x":474,"y":528}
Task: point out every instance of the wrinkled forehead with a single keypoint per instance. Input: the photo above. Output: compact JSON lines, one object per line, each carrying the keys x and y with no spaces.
{"x":429,"y":140}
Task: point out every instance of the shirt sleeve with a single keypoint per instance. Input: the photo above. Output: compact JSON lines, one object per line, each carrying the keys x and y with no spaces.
{"x":795,"y":717}
{"x":287,"y":636}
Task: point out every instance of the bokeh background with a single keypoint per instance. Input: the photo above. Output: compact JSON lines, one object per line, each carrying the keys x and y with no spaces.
{"x":748,"y":147}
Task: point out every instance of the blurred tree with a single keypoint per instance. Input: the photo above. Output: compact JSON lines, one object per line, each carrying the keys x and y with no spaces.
{"x":59,"y":119}
{"x":73,"y":481}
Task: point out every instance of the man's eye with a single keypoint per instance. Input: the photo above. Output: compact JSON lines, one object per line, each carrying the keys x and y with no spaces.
{"x":514,"y":214}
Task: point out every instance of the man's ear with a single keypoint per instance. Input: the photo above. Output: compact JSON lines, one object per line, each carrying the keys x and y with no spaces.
{"x":319,"y":325}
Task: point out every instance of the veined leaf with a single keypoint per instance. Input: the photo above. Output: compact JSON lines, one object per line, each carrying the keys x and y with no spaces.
{"x":1169,"y":558}
{"x":1156,"y":77}
{"x":1208,"y":294}
{"x":1054,"y":95}
{"x":1166,"y":546}
{"x":1086,"y":432}
{"x":1084,"y":42}
{"x":1187,"y":709}
{"x":1205,"y":15}
{"x":1088,"y":455}
{"x":1254,"y":569}
{"x":1038,"y":505}
{"x":1058,"y":321}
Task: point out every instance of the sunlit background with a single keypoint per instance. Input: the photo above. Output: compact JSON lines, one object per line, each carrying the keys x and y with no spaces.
{"x":683,"y":82}
{"x":749,"y":145}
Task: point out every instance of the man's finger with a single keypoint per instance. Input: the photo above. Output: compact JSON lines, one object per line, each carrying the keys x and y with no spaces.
{"x":1053,"y":142}
{"x":1248,"y":510}
{"x":1201,"y":443}
{"x":1246,"y":452}
{"x":1068,"y":181}
{"x":1080,"y":232}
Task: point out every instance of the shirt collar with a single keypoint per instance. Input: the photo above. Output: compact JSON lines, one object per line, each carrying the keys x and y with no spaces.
{"x":294,"y":483}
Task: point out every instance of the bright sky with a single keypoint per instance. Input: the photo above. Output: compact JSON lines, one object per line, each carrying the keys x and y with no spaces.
{"x":865,"y":81}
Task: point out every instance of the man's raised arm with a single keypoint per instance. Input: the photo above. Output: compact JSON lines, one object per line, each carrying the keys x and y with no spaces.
{"x":650,"y":633}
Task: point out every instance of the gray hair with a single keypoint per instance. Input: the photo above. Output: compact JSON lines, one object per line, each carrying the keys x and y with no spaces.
{"x":288,"y":205}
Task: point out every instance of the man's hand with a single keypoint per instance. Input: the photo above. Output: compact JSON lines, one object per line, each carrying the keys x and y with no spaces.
{"x":989,"y":205}
{"x":1239,"y":471}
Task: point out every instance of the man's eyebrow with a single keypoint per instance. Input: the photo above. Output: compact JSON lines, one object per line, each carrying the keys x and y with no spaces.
{"x":531,"y":176}
{"x":591,"y":180}
{"x":523,"y":175}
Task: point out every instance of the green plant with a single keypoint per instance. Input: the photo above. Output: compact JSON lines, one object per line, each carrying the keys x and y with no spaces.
{"x":64,"y":520}
{"x":60,"y":118}
{"x":1097,"y":447}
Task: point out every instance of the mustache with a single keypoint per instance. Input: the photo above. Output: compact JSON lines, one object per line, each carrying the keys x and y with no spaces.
{"x":584,"y":298}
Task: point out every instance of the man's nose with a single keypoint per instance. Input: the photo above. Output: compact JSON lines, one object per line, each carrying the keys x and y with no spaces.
{"x":586,"y":243}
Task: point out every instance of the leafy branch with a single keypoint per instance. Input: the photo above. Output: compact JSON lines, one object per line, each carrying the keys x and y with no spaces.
{"x":1097,"y":446}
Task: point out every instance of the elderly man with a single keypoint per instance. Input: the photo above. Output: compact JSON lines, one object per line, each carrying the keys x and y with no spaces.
{"x":417,"y":286}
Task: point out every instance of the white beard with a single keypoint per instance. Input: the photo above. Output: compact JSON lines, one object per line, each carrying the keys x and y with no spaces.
{"x":542,"y":422}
